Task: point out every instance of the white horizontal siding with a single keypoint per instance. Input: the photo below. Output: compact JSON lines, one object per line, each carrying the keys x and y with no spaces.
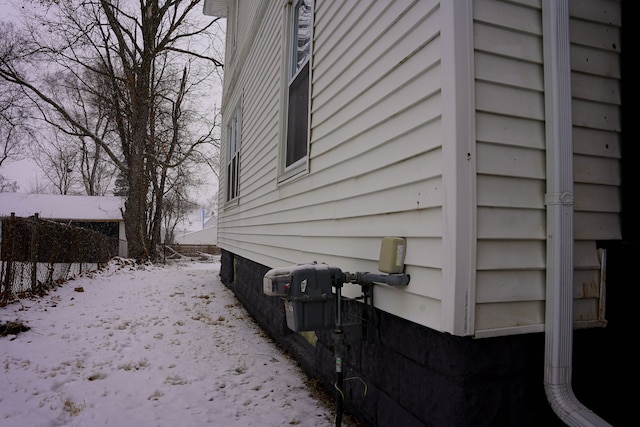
{"x":593,"y":198}
{"x":597,"y":170}
{"x":509,"y":223}
{"x":375,"y":163}
{"x":595,"y":65}
{"x":507,"y":43}
{"x":512,"y":255}
{"x":505,"y":286}
{"x":514,"y":192}
{"x":512,"y":161}
{"x":507,"y":130}
{"x":595,"y":142}
{"x":509,"y":101}
{"x":602,"y":11}
{"x":379,"y":164}
{"x":516,"y":317}
{"x":595,"y":38}
{"x":375,"y":59}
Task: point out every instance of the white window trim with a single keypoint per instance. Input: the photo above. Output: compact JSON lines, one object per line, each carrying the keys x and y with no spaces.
{"x":236,"y":115}
{"x":302,"y":165}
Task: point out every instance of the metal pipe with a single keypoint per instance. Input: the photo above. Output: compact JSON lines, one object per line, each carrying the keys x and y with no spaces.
{"x":559,"y":201}
{"x":338,"y":338}
{"x":387,"y":279}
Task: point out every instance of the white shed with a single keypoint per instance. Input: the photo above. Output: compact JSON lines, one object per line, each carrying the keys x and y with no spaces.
{"x":106,"y":210}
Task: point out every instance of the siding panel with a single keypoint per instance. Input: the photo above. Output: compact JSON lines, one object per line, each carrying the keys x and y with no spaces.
{"x":376,"y":165}
{"x":514,"y":192}
{"x":509,"y":101}
{"x":506,"y":286}
{"x":498,"y":223}
{"x":596,"y":170}
{"x":394,"y":94}
{"x":501,"y":255}
{"x":511,"y":159}
{"x":509,"y":130}
{"x":508,"y":72}
{"x":509,"y":315}
{"x":503,"y":42}
{"x":375,"y":72}
{"x":596,"y":142}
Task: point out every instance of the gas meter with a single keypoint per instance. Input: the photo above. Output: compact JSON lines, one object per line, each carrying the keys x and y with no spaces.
{"x":307,"y":288}
{"x":307,"y":294}
{"x":308,"y":298}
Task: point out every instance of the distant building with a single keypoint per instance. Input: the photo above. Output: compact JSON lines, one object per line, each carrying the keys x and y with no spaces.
{"x":207,"y":234}
{"x":100,"y":213}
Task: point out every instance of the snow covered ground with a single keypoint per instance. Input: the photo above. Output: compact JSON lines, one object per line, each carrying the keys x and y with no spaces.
{"x":152,"y":346}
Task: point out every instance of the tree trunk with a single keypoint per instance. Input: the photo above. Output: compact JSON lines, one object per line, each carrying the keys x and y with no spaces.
{"x":135,"y":218}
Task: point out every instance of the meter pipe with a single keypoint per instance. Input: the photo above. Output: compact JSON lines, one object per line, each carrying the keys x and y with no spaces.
{"x":389,"y":279}
{"x":338,"y":337}
{"x":366,"y":278}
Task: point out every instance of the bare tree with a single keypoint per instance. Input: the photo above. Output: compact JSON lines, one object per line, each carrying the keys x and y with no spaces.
{"x":95,"y":170}
{"x":58,"y":161}
{"x":178,"y":206}
{"x":136,"y":53}
{"x":13,"y":112}
{"x":11,"y":116}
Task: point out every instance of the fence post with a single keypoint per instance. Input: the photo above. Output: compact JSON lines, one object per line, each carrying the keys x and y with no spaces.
{"x":8,"y":264}
{"x":34,"y":253}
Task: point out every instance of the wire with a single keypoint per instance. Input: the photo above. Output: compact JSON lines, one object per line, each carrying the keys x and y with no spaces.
{"x":335,"y":385}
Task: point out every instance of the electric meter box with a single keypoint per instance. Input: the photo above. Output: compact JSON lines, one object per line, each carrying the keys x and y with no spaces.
{"x":392,"y":252}
{"x":309,"y":300}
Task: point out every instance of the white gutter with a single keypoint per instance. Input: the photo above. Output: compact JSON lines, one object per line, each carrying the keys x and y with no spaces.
{"x":559,"y":201}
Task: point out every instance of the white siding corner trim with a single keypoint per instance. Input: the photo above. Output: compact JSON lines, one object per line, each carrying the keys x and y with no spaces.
{"x":459,"y":210}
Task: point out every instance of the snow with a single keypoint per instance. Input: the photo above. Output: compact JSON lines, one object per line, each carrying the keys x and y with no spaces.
{"x":57,"y":206}
{"x":153,"y":345}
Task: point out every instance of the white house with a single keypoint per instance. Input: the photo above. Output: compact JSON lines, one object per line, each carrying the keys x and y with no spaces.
{"x":486,"y":133}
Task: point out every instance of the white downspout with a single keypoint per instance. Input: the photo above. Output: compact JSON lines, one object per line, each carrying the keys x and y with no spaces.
{"x":559,"y":201}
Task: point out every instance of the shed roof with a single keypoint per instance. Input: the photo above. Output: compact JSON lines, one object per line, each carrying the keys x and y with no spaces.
{"x":62,"y":207}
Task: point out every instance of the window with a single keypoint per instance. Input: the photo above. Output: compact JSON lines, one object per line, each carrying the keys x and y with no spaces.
{"x":233,"y":155}
{"x":298,"y":89}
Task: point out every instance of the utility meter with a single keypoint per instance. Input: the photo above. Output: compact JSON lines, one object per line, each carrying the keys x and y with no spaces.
{"x":392,"y":252}
{"x":306,"y":289}
{"x":277,"y":281}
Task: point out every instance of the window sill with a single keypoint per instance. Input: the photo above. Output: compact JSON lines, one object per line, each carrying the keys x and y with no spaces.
{"x":296,"y":170}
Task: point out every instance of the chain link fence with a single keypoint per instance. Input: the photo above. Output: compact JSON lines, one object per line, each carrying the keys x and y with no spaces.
{"x":37,"y":255}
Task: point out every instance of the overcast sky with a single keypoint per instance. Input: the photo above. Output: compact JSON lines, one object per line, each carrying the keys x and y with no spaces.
{"x":27,"y":174}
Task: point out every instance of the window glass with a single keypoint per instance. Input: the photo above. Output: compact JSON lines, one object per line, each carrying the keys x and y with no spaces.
{"x":298,"y":91}
{"x":233,"y":155}
{"x":302,"y":35}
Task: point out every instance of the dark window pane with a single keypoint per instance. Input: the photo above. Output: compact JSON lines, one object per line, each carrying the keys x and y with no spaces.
{"x":298,"y":117}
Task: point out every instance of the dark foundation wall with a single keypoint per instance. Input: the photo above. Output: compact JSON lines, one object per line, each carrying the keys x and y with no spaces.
{"x":604,"y":359}
{"x":407,"y":375}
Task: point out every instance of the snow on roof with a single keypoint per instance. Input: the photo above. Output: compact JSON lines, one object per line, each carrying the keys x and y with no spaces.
{"x":55,"y":206}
